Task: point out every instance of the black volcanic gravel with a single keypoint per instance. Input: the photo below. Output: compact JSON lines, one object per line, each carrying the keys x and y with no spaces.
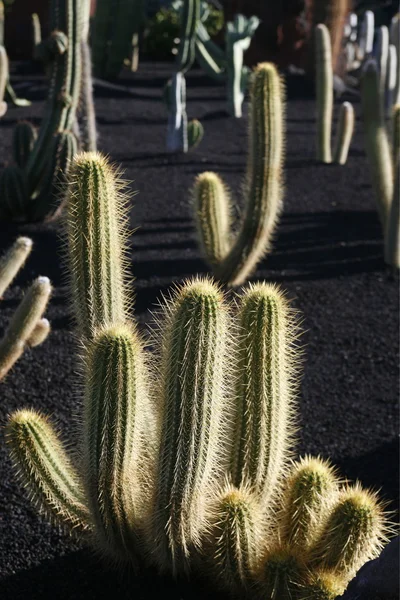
{"x":328,"y":256}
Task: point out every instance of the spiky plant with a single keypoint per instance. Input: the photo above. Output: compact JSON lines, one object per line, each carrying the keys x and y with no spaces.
{"x":324,"y":93}
{"x":186,"y":458}
{"x":234,"y":257}
{"x":27,"y":327}
{"x":383,"y":160}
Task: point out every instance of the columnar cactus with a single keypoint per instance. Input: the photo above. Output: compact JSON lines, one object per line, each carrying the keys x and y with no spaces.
{"x":187,"y":468}
{"x":234,"y":258}
{"x":27,"y":328}
{"x":3,"y":79}
{"x":324,"y":92}
{"x":366,"y":42}
{"x":42,"y":166}
{"x":383,"y":160}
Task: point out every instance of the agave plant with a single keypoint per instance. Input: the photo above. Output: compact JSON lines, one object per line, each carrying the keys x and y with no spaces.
{"x":186,"y":458}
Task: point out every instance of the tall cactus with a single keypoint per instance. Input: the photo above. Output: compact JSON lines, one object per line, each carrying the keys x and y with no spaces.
{"x":156,"y":483}
{"x":263,"y":187}
{"x":3,"y":79}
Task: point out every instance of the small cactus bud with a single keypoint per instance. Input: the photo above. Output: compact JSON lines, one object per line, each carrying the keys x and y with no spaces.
{"x":195,"y":133}
{"x":39,"y":334}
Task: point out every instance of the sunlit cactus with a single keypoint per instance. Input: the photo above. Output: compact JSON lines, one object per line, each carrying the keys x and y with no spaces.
{"x":344,"y":133}
{"x":13,"y":260}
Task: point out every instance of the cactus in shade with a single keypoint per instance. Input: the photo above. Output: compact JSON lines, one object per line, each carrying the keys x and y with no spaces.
{"x":237,"y":39}
{"x":195,"y":133}
{"x":324,"y":100}
{"x":26,"y":326}
{"x":36,"y":33}
{"x":263,"y":188}
{"x":391,"y":80}
{"x":24,"y":137}
{"x":114,"y":25}
{"x":13,"y":260}
{"x":344,"y":133}
{"x":3,"y":79}
{"x":6,"y":89}
{"x":396,"y":135}
{"x":169,"y":472}
{"x":366,"y":42}
{"x":87,"y":109}
{"x":381,"y":51}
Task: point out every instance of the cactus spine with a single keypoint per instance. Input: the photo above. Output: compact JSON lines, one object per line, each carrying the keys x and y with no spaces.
{"x":23,"y":324}
{"x":263,"y":183}
{"x":13,"y":260}
{"x":344,"y":133}
{"x":97,"y":202}
{"x":194,"y":347}
{"x":264,"y":391}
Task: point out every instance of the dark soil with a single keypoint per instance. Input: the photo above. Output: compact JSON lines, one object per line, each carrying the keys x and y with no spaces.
{"x":328,"y":256}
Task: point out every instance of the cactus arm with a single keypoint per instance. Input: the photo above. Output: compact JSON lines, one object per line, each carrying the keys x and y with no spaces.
{"x":190,"y":16}
{"x":13,"y":98}
{"x":36,"y":32}
{"x":264,"y":177}
{"x":344,"y":133}
{"x":114,"y":404}
{"x":391,"y":80}
{"x":376,"y":140}
{"x":96,"y":234}
{"x":193,"y":364}
{"x":392,"y":233}
{"x":215,"y":52}
{"x":3,"y":79}
{"x":177,"y":140}
{"x":264,"y":391}
{"x":45,"y":469}
{"x":354,"y":532}
{"x":207,"y":62}
{"x":23,"y":323}
{"x":12,"y":261}
{"x":324,"y":89}
{"x":212,"y":211}
{"x":39,"y":334}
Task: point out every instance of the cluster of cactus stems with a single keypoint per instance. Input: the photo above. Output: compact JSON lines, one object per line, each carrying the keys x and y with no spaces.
{"x":233,"y":256}
{"x":31,"y":189}
{"x":324,"y":91}
{"x":384,"y":159}
{"x":28,"y":327}
{"x":181,"y":134}
{"x":114,"y":26}
{"x":186,"y":458}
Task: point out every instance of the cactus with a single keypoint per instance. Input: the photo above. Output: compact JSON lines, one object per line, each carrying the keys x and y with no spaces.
{"x":381,"y":51}
{"x":87,"y":109}
{"x":3,"y":79}
{"x":195,"y":133}
{"x":324,"y":93}
{"x":391,"y":80}
{"x":24,"y":137}
{"x":344,"y":133}
{"x":332,"y":14}
{"x":263,"y":187}
{"x":396,"y":135}
{"x":36,"y":34}
{"x":177,"y":138}
{"x":23,"y":324}
{"x":156,"y":483}
{"x":12,"y":261}
{"x":366,"y":42}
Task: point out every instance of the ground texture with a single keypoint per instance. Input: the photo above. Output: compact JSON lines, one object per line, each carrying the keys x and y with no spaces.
{"x":328,"y":256}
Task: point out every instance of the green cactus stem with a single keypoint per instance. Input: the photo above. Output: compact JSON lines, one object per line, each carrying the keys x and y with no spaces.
{"x":114,"y":406}
{"x":12,"y":261}
{"x":309,"y":492}
{"x":195,"y":133}
{"x":263,"y":190}
{"x":344,"y":133}
{"x":45,"y":469}
{"x":24,"y":137}
{"x":192,"y":370}
{"x":212,"y":215}
{"x":14,"y":195}
{"x":235,"y":539}
{"x":97,"y":233}
{"x":190,"y":15}
{"x":265,"y":390}
{"x":324,"y":89}
{"x":23,"y":323}
{"x":376,"y":140}
{"x":353,"y":533}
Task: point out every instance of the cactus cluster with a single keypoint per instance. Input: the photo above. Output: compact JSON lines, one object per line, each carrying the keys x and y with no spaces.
{"x":31,"y":189}
{"x":186,"y":453}
{"x":324,"y":92}
{"x":27,"y":328}
{"x":233,"y":256}
{"x":384,"y":159}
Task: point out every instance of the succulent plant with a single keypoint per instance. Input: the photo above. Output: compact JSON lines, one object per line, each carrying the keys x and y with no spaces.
{"x":54,"y":145}
{"x":233,"y":257}
{"x":186,"y":458}
{"x":324,"y":92}
{"x":383,"y":159}
{"x":27,"y":328}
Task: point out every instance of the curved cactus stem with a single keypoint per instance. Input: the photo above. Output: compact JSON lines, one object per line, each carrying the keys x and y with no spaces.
{"x":12,"y":261}
{"x":23,"y":323}
{"x":97,"y":233}
{"x":344,"y":133}
{"x":12,"y":97}
{"x":376,"y":140}
{"x":193,"y":365}
{"x":190,"y":16}
{"x":324,"y":82}
{"x":208,"y":62}
{"x":45,"y":469}
{"x":115,"y":404}
{"x":39,"y":334}
{"x":265,"y":389}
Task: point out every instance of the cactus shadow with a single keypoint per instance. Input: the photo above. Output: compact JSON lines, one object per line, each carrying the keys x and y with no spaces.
{"x":92,"y":579}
